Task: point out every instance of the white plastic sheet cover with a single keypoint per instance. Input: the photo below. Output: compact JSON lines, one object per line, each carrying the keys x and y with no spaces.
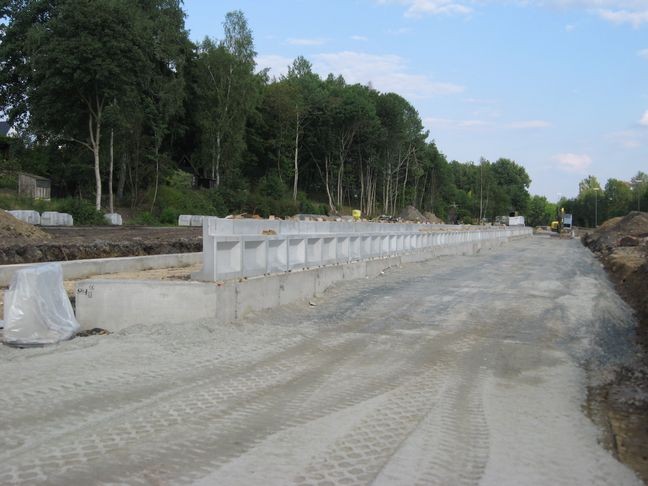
{"x":37,"y":310}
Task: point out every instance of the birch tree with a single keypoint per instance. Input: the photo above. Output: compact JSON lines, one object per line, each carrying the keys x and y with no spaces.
{"x":64,"y":62}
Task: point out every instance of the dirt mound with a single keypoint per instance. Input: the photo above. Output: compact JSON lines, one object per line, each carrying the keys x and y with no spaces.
{"x":608,"y":236}
{"x":410,"y":213}
{"x":14,"y":229}
{"x":432,"y":218}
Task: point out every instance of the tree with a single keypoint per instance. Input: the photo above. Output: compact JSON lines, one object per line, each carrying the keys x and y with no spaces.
{"x":639,"y":185}
{"x":588,"y":184}
{"x":228,"y":89}
{"x":163,"y":89}
{"x":617,"y":199}
{"x":65,"y":62}
{"x":540,"y":211}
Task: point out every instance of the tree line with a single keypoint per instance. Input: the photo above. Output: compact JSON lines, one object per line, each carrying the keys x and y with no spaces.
{"x":596,"y":203}
{"x":113,"y":100}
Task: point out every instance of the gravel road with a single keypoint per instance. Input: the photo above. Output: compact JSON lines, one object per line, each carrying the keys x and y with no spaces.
{"x":467,"y":370}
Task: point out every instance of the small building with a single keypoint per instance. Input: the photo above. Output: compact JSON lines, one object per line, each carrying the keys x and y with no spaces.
{"x":203,"y":182}
{"x":33,"y":186}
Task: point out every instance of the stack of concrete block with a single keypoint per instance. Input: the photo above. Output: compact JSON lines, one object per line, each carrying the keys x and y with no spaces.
{"x":113,"y":219}
{"x":26,"y":215}
{"x":54,"y":218}
{"x":190,"y":220}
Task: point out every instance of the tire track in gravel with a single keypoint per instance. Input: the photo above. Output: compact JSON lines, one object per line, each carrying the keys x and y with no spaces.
{"x":424,"y":420}
{"x":78,"y":451}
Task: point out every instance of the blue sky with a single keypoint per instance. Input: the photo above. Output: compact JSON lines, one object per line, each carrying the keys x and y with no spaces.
{"x":559,"y":86}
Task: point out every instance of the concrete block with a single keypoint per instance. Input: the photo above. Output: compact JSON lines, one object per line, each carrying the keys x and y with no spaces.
{"x":329,"y":250}
{"x":277,"y":255}
{"x":117,"y":304}
{"x":26,"y":215}
{"x":296,"y":253}
{"x":113,"y":219}
{"x":354,"y":271}
{"x":355,"y":248}
{"x":228,"y":259}
{"x":289,"y":227}
{"x":196,"y":220}
{"x":213,"y":226}
{"x":296,"y":286}
{"x":257,"y":294}
{"x":184,"y":220}
{"x":385,"y":245}
{"x":255,"y":257}
{"x":328,"y":276}
{"x":54,"y":218}
{"x":313,"y":252}
{"x":343,"y":249}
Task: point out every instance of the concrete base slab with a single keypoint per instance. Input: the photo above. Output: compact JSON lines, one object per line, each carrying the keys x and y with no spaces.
{"x":116,"y":304}
{"x":256,"y":294}
{"x":295,"y":286}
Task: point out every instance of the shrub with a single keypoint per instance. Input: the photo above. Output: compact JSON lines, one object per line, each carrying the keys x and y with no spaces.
{"x":145,"y":218}
{"x":83,"y":212}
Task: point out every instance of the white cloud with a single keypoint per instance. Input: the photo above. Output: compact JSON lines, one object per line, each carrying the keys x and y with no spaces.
{"x":634,"y":18}
{"x":278,"y":65}
{"x":643,"y":53}
{"x":448,"y":123}
{"x":530,"y":124}
{"x":644,"y":119}
{"x":418,"y":8}
{"x":574,"y":163}
{"x":306,"y":42}
{"x":388,"y":73}
{"x":628,"y":139}
{"x":633,"y":12}
{"x":360,"y":38}
{"x":570,"y":28}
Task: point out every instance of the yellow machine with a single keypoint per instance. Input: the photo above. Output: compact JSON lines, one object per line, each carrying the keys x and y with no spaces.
{"x":555,"y":225}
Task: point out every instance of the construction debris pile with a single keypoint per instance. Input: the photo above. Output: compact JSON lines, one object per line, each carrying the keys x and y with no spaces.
{"x":622,"y":245}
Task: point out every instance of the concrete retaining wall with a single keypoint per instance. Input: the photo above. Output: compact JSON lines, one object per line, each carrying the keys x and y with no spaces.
{"x":247,"y":248}
{"x":118,"y":304}
{"x":75,"y":269}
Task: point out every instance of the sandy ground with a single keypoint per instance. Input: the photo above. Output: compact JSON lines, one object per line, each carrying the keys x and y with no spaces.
{"x":456,"y":371}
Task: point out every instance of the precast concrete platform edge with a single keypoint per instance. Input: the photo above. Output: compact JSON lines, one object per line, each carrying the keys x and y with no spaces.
{"x":117,"y":304}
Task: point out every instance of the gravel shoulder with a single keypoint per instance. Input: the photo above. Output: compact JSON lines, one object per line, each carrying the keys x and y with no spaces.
{"x":457,"y":371}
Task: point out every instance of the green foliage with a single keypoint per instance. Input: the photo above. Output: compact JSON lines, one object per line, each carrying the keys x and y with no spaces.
{"x":540,"y":212}
{"x":8,"y":181}
{"x":173,"y":108}
{"x":145,"y":218}
{"x":272,"y":186}
{"x":616,"y":198}
{"x":179,"y":179}
{"x":83,"y":212}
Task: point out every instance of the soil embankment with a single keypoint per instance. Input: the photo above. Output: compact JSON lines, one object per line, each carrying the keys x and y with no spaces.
{"x":620,"y":404}
{"x":24,"y":243}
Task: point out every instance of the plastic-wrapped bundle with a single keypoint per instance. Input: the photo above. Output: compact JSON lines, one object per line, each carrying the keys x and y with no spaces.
{"x":37,"y":310}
